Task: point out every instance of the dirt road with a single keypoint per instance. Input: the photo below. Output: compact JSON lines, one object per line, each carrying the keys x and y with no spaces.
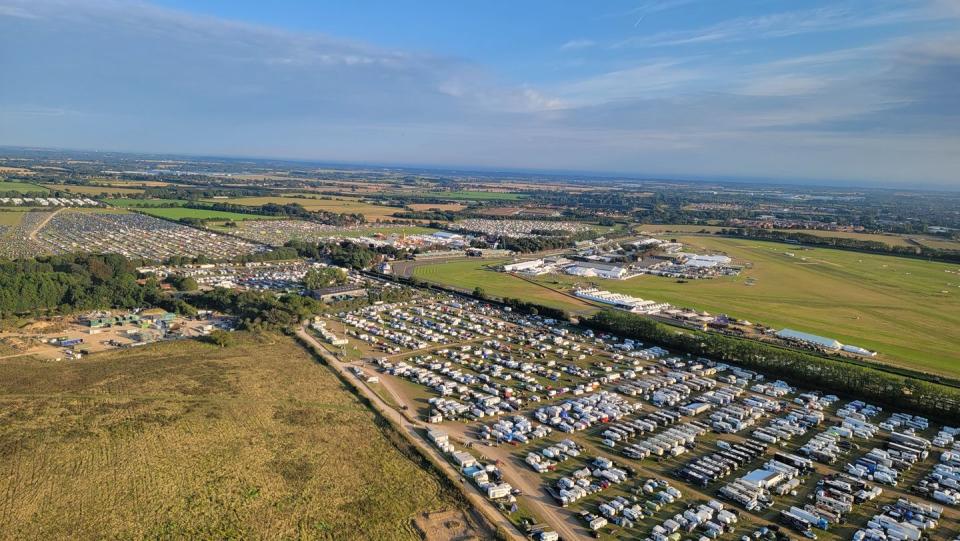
{"x":412,"y":431}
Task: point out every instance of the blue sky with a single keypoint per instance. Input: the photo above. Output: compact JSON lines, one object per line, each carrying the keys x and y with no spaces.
{"x":865,"y":91}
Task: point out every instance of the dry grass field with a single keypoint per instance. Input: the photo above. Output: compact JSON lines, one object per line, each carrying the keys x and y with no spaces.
{"x":189,"y":441}
{"x":455,"y":207}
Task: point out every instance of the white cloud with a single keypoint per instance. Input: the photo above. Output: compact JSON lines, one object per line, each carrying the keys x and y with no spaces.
{"x":839,"y":16}
{"x":577,"y":44}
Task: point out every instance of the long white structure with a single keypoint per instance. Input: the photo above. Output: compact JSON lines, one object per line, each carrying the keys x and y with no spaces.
{"x":624,"y":302}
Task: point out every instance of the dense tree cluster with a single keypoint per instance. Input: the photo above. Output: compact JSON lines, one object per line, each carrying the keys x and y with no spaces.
{"x":810,"y":370}
{"x":72,"y":282}
{"x":317,"y":278}
{"x":259,"y":309}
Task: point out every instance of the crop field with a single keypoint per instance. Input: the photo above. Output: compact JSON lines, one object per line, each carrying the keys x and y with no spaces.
{"x":188,"y":440}
{"x":22,"y":187}
{"x":350,"y":206}
{"x":93,"y":190}
{"x":900,"y":307}
{"x":176,"y":213}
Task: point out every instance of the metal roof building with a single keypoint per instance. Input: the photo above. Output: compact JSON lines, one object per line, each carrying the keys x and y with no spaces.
{"x":790,"y":334}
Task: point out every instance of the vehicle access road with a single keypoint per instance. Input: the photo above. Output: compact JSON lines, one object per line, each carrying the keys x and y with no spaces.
{"x":412,"y":431}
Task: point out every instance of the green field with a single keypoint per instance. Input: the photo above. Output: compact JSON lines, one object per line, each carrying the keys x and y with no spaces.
{"x":22,"y":187}
{"x":477,"y":196}
{"x":185,"y":440}
{"x":133,"y":203}
{"x":906,"y":309}
{"x":11,"y":216}
{"x":176,"y":213}
{"x":468,"y":274}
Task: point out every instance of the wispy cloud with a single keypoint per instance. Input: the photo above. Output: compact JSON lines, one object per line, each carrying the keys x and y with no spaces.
{"x":841,"y":16}
{"x":576,"y":44}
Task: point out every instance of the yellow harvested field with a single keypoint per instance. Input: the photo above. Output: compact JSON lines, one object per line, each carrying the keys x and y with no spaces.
{"x":455,"y":207}
{"x":186,"y":440}
{"x":16,"y":170}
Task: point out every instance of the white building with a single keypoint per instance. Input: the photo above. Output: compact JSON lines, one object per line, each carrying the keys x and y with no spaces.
{"x":597,"y":270}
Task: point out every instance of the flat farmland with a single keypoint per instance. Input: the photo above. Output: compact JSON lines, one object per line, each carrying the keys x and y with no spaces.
{"x":349,"y":206}
{"x":903,"y":308}
{"x":21,"y":187}
{"x":187,"y":440}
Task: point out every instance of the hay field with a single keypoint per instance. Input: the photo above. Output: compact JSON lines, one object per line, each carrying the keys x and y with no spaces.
{"x":187,"y":440}
{"x":351,"y":206}
{"x":455,"y":207}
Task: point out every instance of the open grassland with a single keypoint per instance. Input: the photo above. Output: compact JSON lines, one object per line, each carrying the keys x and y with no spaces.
{"x":22,"y":187}
{"x":938,"y":243}
{"x":371,"y":212}
{"x":129,"y":203}
{"x":469,"y":274}
{"x":176,"y":213}
{"x":892,"y":240}
{"x":93,"y":190}
{"x":189,"y":441}
{"x":904,"y":308}
{"x":10,"y":217}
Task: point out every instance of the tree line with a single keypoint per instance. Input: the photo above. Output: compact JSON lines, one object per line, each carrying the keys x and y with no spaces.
{"x":810,"y":370}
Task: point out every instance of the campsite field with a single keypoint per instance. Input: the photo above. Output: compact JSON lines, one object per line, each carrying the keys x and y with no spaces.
{"x":176,"y":213}
{"x":187,"y":440}
{"x":21,"y":187}
{"x":372,"y":212}
{"x":903,"y":308}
